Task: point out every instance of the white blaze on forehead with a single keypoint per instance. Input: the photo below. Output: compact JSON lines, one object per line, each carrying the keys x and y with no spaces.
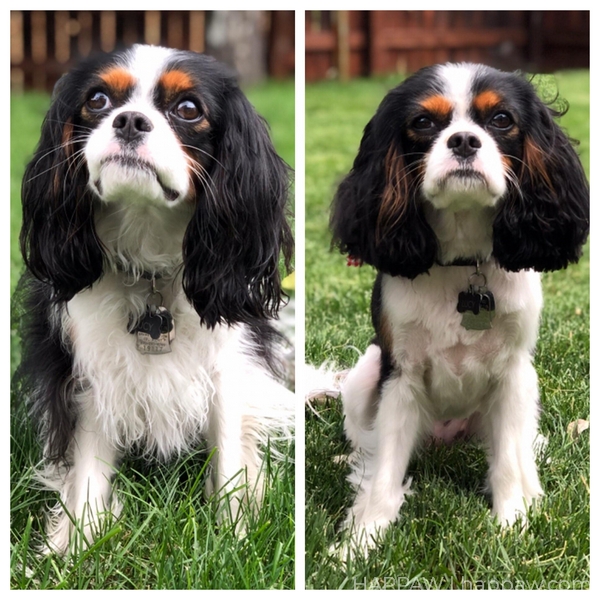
{"x":457,"y":80}
{"x":146,"y":64}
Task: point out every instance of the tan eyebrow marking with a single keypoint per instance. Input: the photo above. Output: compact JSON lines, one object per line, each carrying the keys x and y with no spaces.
{"x":486,"y":101}
{"x":437,"y":105}
{"x":175,"y":81}
{"x":118,"y":79}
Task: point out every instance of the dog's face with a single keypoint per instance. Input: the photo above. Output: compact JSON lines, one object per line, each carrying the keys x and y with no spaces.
{"x":462,"y":137}
{"x":148,"y":112}
{"x":470,"y":138}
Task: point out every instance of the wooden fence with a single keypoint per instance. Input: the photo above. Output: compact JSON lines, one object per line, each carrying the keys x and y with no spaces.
{"x":359,"y":43}
{"x":45,"y":43}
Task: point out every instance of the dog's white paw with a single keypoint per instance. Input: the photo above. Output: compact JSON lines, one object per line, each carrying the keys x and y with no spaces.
{"x":357,"y":540}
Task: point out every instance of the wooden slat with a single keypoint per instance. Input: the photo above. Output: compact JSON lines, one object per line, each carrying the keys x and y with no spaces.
{"x":343,"y":45}
{"x":319,"y":41}
{"x":62,"y":37}
{"x":108,"y":30}
{"x":152,"y":27}
{"x":410,"y":39}
{"x":85,"y":38}
{"x":197,"y":27}
{"x":17,"y":44}
{"x":38,"y":37}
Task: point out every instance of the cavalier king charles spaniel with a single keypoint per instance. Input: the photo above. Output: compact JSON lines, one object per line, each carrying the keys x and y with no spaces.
{"x":463,"y":190}
{"x":154,"y":217}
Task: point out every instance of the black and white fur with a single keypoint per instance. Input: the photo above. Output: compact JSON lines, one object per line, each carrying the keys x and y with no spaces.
{"x":152,"y":163}
{"x":461,"y":164}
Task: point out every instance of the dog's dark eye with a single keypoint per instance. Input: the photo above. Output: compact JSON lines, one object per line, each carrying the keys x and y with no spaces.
{"x":188,"y":110}
{"x":501,"y":120}
{"x":423,"y":123}
{"x":98,"y":101}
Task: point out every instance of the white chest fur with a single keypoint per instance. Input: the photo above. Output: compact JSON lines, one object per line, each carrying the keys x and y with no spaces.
{"x":454,"y":368}
{"x":158,"y":401}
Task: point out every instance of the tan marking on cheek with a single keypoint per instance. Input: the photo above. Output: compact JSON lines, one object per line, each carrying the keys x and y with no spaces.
{"x":174,"y":82}
{"x":67,"y":147}
{"x":439,"y":106}
{"x":486,"y":101}
{"x":196,"y":173}
{"x":395,"y":194}
{"x":66,"y":138}
{"x":534,"y":163}
{"x":118,"y":79}
{"x":57,"y":183}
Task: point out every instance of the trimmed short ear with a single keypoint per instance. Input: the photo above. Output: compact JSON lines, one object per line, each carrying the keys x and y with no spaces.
{"x":376,"y":217}
{"x":58,"y":238}
{"x":543,"y":223}
{"x":234,"y":241}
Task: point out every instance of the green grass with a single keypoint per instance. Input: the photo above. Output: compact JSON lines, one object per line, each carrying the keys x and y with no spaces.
{"x":166,"y":536}
{"x":444,"y":537}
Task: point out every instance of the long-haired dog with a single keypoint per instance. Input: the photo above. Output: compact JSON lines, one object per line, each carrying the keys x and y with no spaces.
{"x":463,"y":189}
{"x":154,"y":217}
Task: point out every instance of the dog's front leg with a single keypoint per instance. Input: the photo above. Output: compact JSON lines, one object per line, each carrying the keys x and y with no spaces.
{"x":85,"y":489}
{"x":511,"y":428}
{"x":379,"y":474}
{"x":234,"y":460}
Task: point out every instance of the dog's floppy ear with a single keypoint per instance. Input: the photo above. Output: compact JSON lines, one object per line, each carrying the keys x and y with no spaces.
{"x":543,"y":223}
{"x":58,"y":238}
{"x":233,"y":243}
{"x":376,"y":216}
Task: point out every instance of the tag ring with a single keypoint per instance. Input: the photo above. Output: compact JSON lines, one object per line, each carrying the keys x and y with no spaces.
{"x":153,"y":296}
{"x":477,"y":274}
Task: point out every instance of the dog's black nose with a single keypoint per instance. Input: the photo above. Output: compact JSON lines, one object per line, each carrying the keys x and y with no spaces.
{"x":464,"y":144}
{"x":130,"y":126}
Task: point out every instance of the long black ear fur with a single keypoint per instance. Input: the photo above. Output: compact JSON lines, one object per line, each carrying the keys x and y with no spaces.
{"x":543,"y":224}
{"x":58,"y":238}
{"x":404,"y":244}
{"x":232,"y":245}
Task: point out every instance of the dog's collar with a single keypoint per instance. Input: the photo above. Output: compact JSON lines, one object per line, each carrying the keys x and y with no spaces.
{"x":136,"y":275}
{"x":148,"y":276}
{"x":476,"y":263}
{"x":462,"y":262}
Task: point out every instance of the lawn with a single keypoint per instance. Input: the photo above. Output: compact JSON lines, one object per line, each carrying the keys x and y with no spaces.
{"x":444,"y":537}
{"x":166,"y":536}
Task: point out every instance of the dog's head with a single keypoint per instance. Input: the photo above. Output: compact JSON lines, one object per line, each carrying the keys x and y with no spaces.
{"x":160,"y":128}
{"x":463,"y":137}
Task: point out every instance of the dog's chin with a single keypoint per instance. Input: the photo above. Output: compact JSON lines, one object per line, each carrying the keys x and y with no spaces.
{"x":463,"y":189}
{"x":125,"y":178}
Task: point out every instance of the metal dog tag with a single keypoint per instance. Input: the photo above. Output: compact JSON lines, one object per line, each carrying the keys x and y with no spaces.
{"x":469,"y":301}
{"x":488,"y":303}
{"x":484,"y":311}
{"x":145,"y":344}
{"x":477,"y":305}
{"x":155,"y":331}
{"x":477,"y":322}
